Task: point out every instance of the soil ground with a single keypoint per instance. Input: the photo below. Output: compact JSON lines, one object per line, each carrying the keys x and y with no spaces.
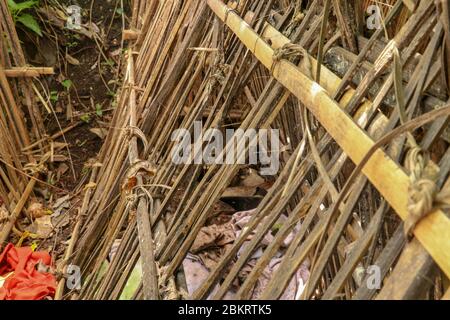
{"x":90,"y":67}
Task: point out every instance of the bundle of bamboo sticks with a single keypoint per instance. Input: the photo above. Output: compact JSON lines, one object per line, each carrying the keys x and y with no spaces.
{"x":13,"y":56}
{"x":24,"y":139}
{"x":15,"y":185}
{"x":199,"y":60}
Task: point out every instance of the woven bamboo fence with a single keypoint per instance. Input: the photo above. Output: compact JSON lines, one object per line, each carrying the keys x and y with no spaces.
{"x":363,"y":180}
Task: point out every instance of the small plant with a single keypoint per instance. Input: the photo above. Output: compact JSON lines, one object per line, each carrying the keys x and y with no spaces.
{"x":81,"y":143}
{"x":119,"y":12}
{"x":85,"y":118}
{"x":99,"y":110}
{"x":85,"y":171}
{"x":54,"y":96}
{"x":108,"y":64}
{"x":73,"y":40}
{"x":67,"y":84}
{"x":72,"y":44}
{"x":24,"y":18}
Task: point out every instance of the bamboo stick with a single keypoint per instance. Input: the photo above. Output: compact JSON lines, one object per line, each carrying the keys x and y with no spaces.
{"x":28,"y":72}
{"x":17,"y":210}
{"x":146,"y":246}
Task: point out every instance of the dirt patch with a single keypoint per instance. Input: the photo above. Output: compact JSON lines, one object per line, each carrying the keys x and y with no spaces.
{"x":85,"y":81}
{"x":82,"y":97}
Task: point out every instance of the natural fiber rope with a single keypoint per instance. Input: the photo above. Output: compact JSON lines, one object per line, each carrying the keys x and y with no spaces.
{"x":167,"y":285}
{"x":219,"y":72}
{"x":227,"y":13}
{"x":423,"y":193}
{"x":289,"y":51}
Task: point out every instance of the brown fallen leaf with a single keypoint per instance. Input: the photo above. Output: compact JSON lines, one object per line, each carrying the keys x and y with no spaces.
{"x":211,"y":257}
{"x":252,"y":179}
{"x":61,"y":221}
{"x":214,"y":236}
{"x":220,"y":219}
{"x":4,"y":214}
{"x":42,"y":227}
{"x":222,"y":207}
{"x":100,"y":132}
{"x":239,"y":192}
{"x":62,"y":169}
{"x":221,"y":213}
{"x":206,"y":238}
{"x":37,"y":210}
{"x":72,"y":60}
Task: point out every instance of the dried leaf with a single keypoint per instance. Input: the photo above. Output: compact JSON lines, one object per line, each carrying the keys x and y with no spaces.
{"x":62,"y":169}
{"x":4,"y":214}
{"x":72,"y":60}
{"x":37,"y":210}
{"x":60,"y":205}
{"x":100,"y":132}
{"x":239,"y":192}
{"x":253,"y":179}
{"x":42,"y":227}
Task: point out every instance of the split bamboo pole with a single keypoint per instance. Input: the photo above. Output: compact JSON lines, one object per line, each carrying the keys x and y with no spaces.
{"x":17,"y":210}
{"x":28,"y":72}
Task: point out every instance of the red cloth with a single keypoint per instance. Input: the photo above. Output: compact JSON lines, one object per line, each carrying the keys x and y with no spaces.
{"x":26,"y":283}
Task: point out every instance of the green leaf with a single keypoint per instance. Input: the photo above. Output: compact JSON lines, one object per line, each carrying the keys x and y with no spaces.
{"x":12,"y":5}
{"x":109,"y":63}
{"x":67,"y":84}
{"x":17,"y":7}
{"x":85,"y":118}
{"x":54,"y":96}
{"x":133,"y":283}
{"x":28,"y":21}
{"x":98,"y":110}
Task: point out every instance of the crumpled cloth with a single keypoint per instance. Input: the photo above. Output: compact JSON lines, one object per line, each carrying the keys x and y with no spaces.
{"x":203,"y":257}
{"x":25,"y":282}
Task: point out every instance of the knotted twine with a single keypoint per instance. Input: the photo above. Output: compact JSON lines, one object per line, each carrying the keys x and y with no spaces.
{"x":290,"y":51}
{"x":424,"y":195}
{"x":168,"y":287}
